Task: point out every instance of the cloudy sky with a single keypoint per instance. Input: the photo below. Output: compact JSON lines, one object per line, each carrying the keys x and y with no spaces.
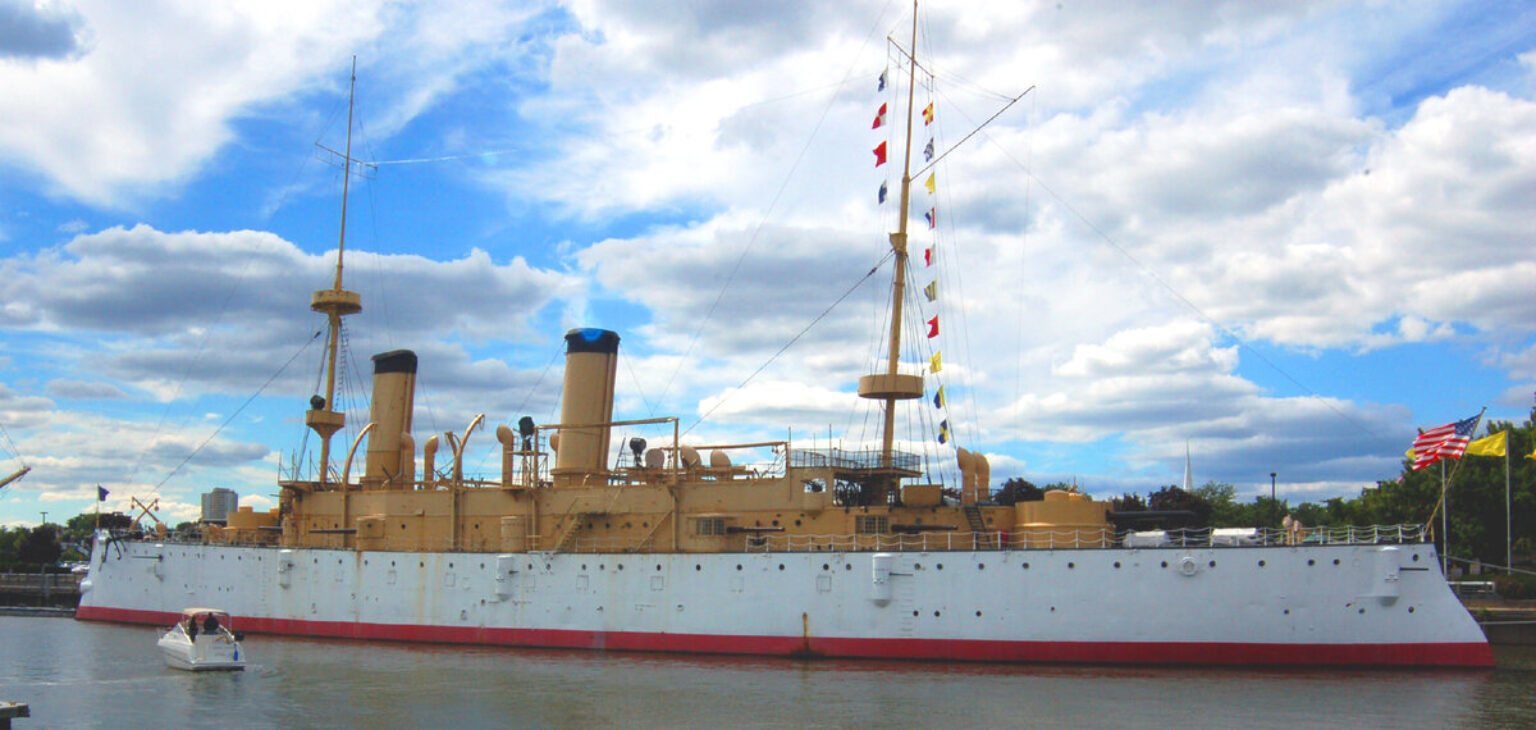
{"x":1280,"y":235}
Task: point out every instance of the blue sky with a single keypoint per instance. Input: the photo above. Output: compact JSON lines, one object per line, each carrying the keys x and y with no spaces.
{"x":1282,"y":235}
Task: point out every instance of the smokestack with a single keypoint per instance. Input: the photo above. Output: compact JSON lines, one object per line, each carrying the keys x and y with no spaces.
{"x":591,"y":361}
{"x":394,"y":393}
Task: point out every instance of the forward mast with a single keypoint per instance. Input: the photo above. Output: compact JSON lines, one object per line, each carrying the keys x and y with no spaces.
{"x":334,"y":303}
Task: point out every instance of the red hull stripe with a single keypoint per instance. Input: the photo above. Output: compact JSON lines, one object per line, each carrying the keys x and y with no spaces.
{"x":1470,"y":654}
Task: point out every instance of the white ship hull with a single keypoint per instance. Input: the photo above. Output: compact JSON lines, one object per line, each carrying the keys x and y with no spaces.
{"x":1309,"y":605}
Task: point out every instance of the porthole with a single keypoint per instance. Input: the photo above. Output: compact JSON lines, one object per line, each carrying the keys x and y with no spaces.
{"x":978,"y":614}
{"x":935,"y":614}
{"x":825,"y":567}
{"x":583,"y":566}
{"x":917,"y":566}
{"x":914,"y":613}
{"x":781,"y":566}
{"x":1165,"y":564}
{"x":1415,"y":557}
{"x":738,"y":566}
{"x":848,"y":566}
{"x":1071,"y":566}
{"x":981,"y":566}
{"x":658,"y":567}
{"x":1362,"y":611}
{"x":1261,"y":563}
{"x":1212,"y":563}
{"x":941,"y":566}
{"x":1117,"y":564}
{"x":1335,"y":561}
{"x":1410,"y":609}
{"x":697,"y":567}
{"x":621,"y":566}
{"x":1311,"y":562}
{"x":1026,"y":566}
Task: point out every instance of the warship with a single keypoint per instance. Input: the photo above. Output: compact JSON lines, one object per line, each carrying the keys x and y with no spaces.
{"x":671,"y":546}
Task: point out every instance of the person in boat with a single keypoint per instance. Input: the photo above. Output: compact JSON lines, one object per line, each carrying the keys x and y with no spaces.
{"x":211,"y":625}
{"x":192,"y":628}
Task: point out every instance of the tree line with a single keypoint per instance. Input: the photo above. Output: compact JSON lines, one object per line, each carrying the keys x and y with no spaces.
{"x":1475,"y":501}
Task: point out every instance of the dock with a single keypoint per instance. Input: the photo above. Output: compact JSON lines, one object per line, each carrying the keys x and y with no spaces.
{"x":1506,"y":622}
{"x":9,"y":710}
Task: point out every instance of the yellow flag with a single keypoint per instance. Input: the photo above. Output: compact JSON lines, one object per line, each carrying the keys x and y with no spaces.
{"x":930,"y":184}
{"x":1494,"y":445}
{"x":934,"y":364}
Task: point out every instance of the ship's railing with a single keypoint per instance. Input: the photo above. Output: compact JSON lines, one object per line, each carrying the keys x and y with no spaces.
{"x":851,"y":460}
{"x":1080,"y":538}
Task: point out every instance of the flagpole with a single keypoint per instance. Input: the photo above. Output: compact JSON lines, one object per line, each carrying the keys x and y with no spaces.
{"x":1445,"y":527}
{"x":1508,"y":521}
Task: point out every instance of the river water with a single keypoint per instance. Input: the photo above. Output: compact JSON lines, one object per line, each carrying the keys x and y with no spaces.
{"x":87,"y":675}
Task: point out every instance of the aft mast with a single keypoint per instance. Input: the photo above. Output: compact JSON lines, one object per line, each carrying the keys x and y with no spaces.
{"x":891,"y":386}
{"x":334,"y":303}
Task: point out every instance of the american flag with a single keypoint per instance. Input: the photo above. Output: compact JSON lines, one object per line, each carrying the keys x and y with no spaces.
{"x":1443,"y":442}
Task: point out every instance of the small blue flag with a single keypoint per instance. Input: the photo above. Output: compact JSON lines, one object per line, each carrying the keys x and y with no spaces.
{"x":928,"y":151}
{"x":882,"y":191}
{"x":881,"y":85}
{"x":101,"y":494}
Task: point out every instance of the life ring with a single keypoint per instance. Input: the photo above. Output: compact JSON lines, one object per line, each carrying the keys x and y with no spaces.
{"x":1188,"y":567}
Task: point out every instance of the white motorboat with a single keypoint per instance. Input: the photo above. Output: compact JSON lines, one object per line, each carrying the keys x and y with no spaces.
{"x":202,"y":641}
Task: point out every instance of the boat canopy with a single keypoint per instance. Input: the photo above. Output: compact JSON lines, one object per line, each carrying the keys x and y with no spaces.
{"x":187,"y":613}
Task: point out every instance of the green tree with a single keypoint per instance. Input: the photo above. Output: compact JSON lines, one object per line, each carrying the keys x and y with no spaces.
{"x":40,"y":547}
{"x":1129,"y":502}
{"x":1226,"y":511}
{"x":1173,"y":498}
{"x":1017,"y":490}
{"x":10,"y":546}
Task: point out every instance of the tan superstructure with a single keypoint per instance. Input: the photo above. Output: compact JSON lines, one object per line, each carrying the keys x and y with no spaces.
{"x":669,"y":498}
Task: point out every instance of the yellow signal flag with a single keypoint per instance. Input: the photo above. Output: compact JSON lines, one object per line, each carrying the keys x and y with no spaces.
{"x":1409,"y":454}
{"x":1492,"y":445}
{"x":930,"y":183}
{"x":935,"y":363}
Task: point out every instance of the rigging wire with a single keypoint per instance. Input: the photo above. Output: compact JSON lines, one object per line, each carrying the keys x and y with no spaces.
{"x":790,"y":343}
{"x":757,"y":231}
{"x":236,"y":412}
